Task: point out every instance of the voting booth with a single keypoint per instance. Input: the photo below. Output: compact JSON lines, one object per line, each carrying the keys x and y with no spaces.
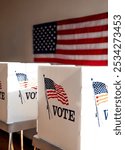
{"x":18,"y":92}
{"x":73,"y":106}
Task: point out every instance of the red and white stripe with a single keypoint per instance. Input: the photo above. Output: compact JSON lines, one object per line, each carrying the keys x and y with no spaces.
{"x":101,"y":98}
{"x":58,"y":93}
{"x":80,"y":41}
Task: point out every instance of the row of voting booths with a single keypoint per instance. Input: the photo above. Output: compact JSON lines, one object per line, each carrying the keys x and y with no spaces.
{"x":69,"y":103}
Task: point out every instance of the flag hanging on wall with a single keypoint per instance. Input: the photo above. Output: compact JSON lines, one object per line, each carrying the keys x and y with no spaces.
{"x":78,"y":41}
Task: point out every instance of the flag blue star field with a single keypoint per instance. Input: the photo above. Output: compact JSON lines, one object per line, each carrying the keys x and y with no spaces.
{"x":54,"y":90}
{"x":78,"y":41}
{"x":101,"y":92}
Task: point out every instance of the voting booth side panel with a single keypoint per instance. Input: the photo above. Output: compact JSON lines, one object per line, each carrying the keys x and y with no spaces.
{"x":22,"y":92}
{"x":3,"y":92}
{"x":94,"y":121}
{"x":59,"y":109}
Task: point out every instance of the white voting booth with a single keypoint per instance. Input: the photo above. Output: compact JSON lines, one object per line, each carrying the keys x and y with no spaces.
{"x":18,"y":92}
{"x":73,"y":106}
{"x":18,"y":98}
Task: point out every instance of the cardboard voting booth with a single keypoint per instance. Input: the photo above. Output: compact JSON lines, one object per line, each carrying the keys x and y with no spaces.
{"x":73,"y":106}
{"x":18,"y":92}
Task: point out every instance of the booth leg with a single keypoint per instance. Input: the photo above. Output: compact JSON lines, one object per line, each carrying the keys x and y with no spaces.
{"x":21,"y":139}
{"x":10,"y":145}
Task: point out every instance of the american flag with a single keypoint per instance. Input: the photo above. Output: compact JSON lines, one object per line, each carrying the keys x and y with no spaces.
{"x":101,"y":92}
{"x":78,"y":41}
{"x":23,"y":81}
{"x":54,"y":90}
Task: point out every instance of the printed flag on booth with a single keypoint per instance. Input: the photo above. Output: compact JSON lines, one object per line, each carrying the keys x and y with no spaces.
{"x":23,"y":80}
{"x":78,"y":41}
{"x":24,"y":83}
{"x":101,"y":97}
{"x":101,"y":92}
{"x":54,"y":90}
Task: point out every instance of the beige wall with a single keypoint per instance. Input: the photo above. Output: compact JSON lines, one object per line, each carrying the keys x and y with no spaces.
{"x":18,"y":16}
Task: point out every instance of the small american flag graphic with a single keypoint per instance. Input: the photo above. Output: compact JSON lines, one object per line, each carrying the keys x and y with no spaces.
{"x":54,"y":90}
{"x":101,"y":92}
{"x":23,"y":80}
{"x":24,"y":83}
{"x":77,"y":41}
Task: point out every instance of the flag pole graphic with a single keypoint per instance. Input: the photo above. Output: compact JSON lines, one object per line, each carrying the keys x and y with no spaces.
{"x":97,"y":112}
{"x":20,"y":94}
{"x":48,"y":107}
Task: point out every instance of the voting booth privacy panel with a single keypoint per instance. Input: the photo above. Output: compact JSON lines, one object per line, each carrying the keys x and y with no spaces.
{"x":18,"y":92}
{"x":73,"y":106}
